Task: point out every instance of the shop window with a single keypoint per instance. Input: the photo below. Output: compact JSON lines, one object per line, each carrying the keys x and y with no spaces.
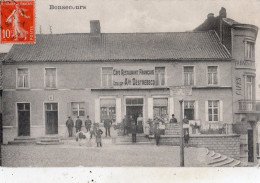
{"x":107,"y":109}
{"x":213,"y":110}
{"x":188,"y":75}
{"x":249,"y":50}
{"x":160,"y":107}
{"x":78,"y":109}
{"x":107,"y":79}
{"x":50,"y":77}
{"x":23,"y":78}
{"x":189,"y":108}
{"x":212,"y":75}
{"x":159,"y":76}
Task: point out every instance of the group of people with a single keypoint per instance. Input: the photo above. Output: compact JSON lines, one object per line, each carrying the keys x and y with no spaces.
{"x":78,"y":125}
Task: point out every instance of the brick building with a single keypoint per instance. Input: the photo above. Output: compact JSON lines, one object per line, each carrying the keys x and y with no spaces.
{"x":117,"y":74}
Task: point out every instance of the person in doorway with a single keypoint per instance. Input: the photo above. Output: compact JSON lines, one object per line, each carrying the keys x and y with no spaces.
{"x":186,"y":130}
{"x":70,"y":125}
{"x":98,"y":135}
{"x":173,"y":120}
{"x":88,"y":124}
{"x":134,"y":131}
{"x":140,"y":124}
{"x":124,"y":123}
{"x":107,"y":125}
{"x":78,"y":124}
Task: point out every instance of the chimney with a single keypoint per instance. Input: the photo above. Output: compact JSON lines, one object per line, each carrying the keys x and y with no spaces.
{"x":94,"y":27}
{"x":210,"y":16}
{"x":223,"y":13}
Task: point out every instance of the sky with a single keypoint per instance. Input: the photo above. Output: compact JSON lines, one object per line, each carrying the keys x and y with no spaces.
{"x":141,"y":16}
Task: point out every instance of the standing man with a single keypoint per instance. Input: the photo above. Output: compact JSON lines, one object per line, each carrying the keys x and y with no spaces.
{"x":70,"y":125}
{"x":88,"y":123}
{"x":78,"y":124}
{"x":186,"y":130}
{"x":134,"y":131}
{"x":107,"y":125}
{"x":173,"y":120}
{"x":124,"y":123}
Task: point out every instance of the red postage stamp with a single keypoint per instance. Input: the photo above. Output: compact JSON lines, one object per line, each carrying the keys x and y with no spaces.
{"x":17,"y":21}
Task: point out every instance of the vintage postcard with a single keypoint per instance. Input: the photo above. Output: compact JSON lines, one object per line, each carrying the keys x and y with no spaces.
{"x":130,"y":84}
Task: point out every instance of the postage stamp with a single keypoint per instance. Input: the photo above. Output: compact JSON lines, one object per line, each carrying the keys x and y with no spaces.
{"x":17,"y":21}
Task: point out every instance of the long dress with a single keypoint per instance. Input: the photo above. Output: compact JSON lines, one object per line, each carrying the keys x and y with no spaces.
{"x":140,"y":125}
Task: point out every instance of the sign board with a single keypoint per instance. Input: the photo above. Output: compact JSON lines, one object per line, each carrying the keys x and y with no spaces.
{"x":132,"y":77}
{"x":181,"y":91}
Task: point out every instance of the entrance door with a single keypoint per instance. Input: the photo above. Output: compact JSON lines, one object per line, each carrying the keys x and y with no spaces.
{"x":51,"y":118}
{"x":134,"y":111}
{"x":23,"y":110}
{"x":250,"y":146}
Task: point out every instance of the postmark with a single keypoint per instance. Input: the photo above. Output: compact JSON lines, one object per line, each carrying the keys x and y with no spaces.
{"x":17,"y":21}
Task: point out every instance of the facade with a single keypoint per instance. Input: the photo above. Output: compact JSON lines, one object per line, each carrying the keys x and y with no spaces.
{"x":112,"y":75}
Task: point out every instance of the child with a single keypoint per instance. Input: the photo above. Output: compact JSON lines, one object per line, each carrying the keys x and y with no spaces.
{"x":99,"y":132}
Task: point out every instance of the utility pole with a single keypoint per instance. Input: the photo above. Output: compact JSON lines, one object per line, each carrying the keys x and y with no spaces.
{"x":181,"y":137}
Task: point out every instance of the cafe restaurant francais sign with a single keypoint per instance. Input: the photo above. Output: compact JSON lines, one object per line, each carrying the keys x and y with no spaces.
{"x":133,"y":77}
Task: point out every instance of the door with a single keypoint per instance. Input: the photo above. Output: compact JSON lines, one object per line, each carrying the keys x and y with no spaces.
{"x":23,"y":110}
{"x":51,"y":118}
{"x":134,"y":111}
{"x":250,"y":146}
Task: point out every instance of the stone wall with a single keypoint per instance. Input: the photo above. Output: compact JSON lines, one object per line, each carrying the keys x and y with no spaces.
{"x":225,"y":144}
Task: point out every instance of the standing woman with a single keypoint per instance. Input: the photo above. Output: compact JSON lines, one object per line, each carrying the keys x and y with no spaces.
{"x":140,"y":124}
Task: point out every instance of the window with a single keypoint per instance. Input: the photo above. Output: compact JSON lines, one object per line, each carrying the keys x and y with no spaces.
{"x":249,"y":50}
{"x":188,"y":75}
{"x":107,"y":109}
{"x":189,"y":109}
{"x":107,"y":79}
{"x":23,"y":78}
{"x":249,"y":87}
{"x":159,"y":76}
{"x":160,"y":107}
{"x":212,"y":75}
{"x":213,"y":110}
{"x":134,"y":101}
{"x":50,"y":77}
{"x":78,"y":109}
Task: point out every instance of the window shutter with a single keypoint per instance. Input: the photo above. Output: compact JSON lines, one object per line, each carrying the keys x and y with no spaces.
{"x":221,"y":110}
{"x":171,"y":107}
{"x":196,"y":110}
{"x":206,"y":111}
{"x":69,"y":108}
{"x":118,"y":110}
{"x":97,"y":110}
{"x":150,"y":108}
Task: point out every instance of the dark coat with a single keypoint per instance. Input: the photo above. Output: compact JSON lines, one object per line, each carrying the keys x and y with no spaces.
{"x":173,"y":120}
{"x":134,"y":129}
{"x":88,"y":123}
{"x":98,"y":134}
{"x":107,"y":123}
{"x":78,"y":123}
{"x":69,"y":123}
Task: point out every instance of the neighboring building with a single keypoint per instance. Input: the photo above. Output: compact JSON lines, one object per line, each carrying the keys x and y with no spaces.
{"x":116,"y":74}
{"x":2,"y":55}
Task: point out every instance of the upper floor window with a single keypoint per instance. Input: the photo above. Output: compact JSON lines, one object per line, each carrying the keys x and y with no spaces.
{"x":188,"y":75}
{"x":78,"y":108}
{"x":249,"y":50}
{"x":107,"y":73}
{"x":212,"y":75}
{"x":50,"y":78}
{"x":249,"y":87}
{"x":23,"y":78}
{"x":159,"y":76}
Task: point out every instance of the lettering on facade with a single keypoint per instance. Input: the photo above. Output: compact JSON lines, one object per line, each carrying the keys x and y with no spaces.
{"x":238,"y":86}
{"x":133,"y":77}
{"x":244,"y":63}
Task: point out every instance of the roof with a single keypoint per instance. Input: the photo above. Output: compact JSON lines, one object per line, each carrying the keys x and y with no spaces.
{"x":121,"y":46}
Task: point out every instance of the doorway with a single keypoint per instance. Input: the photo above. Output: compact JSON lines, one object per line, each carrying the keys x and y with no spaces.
{"x":250,"y":146}
{"x":51,"y":118}
{"x":134,"y":111}
{"x":23,"y":110}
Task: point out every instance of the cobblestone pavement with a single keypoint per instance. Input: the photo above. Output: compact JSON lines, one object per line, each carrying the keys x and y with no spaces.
{"x":70,"y":154}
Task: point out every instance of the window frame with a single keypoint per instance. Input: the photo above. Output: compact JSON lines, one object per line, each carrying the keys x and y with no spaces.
{"x":56,"y":78}
{"x":167,"y":107}
{"x":213,"y":114}
{"x":78,"y":109}
{"x":194,"y":75}
{"x":112,"y":78}
{"x":165,"y":74}
{"x":252,"y":42}
{"x":100,"y":106}
{"x":18,"y":77}
{"x":218,"y":78}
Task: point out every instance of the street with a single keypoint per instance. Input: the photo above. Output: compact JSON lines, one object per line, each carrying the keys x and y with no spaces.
{"x":70,"y":154}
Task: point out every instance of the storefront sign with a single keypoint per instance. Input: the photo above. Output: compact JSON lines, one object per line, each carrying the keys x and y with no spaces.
{"x":133,"y":77}
{"x":238,"y":86}
{"x":244,"y":63}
